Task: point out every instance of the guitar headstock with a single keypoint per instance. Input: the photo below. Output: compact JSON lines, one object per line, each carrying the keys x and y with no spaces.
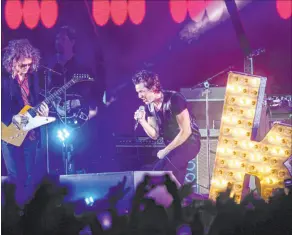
{"x":81,"y":77}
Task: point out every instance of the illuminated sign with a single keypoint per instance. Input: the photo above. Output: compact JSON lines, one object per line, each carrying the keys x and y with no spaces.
{"x":237,"y":154}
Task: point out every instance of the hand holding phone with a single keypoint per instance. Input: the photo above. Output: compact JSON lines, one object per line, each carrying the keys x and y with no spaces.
{"x":157,"y":180}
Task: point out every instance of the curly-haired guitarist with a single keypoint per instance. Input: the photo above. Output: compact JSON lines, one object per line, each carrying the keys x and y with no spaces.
{"x":19,"y":82}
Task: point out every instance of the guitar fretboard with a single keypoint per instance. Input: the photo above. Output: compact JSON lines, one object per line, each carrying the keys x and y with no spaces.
{"x":54,"y":95}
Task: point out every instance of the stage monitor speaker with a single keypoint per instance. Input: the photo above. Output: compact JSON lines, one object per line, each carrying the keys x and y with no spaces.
{"x":198,"y":171}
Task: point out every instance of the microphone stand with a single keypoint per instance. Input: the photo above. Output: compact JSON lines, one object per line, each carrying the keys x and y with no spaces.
{"x":209,"y":79}
{"x":46,"y":86}
{"x":68,"y":147}
{"x":65,"y":146}
{"x":46,"y":130}
{"x":206,"y":92}
{"x":66,"y":153}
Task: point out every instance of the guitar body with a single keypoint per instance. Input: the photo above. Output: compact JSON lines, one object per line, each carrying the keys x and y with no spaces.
{"x":74,"y":117}
{"x":15,"y":136}
{"x":11,"y":134}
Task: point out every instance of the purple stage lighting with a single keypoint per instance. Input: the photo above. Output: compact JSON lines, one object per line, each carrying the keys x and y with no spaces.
{"x":106,"y":220}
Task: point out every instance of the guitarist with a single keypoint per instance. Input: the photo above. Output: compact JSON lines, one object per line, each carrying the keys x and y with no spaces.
{"x":65,"y":62}
{"x":19,"y":88}
{"x":82,"y":95}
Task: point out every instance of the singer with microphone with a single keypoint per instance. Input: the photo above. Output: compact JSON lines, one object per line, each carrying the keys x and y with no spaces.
{"x":166,"y":114}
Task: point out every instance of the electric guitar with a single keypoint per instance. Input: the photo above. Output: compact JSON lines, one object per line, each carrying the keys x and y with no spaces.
{"x":71,"y":112}
{"x":15,"y":135}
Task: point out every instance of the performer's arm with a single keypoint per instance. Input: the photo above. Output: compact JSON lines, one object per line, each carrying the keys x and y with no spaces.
{"x":150,"y":127}
{"x":183,"y":120}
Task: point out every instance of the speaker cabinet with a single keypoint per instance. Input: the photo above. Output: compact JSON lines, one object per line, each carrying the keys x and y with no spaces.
{"x":198,"y":109}
{"x":198,"y":171}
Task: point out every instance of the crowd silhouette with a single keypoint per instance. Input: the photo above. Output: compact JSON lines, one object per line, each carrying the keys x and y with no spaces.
{"x":47,"y":213}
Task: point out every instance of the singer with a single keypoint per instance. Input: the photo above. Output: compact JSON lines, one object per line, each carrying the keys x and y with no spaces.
{"x":166,"y":114}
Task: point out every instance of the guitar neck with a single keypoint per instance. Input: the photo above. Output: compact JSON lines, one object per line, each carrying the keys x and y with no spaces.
{"x":58,"y":92}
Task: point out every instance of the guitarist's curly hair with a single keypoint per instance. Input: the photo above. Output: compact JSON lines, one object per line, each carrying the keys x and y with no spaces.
{"x":18,"y":50}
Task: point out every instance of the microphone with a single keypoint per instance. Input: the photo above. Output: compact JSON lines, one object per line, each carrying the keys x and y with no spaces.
{"x":141,"y":108}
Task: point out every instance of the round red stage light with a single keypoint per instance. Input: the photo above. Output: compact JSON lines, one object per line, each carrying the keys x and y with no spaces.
{"x":196,"y":9}
{"x":49,"y":13}
{"x":119,"y":11}
{"x":136,"y":11}
{"x":284,"y":8}
{"x":13,"y":13}
{"x":178,"y":10}
{"x":101,"y":11}
{"x":31,"y":13}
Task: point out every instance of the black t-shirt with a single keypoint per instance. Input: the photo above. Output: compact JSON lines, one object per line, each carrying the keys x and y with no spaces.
{"x":173,"y":104}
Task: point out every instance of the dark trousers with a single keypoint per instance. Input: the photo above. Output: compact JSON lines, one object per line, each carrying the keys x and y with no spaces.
{"x":177,"y":160}
{"x":20,"y":165}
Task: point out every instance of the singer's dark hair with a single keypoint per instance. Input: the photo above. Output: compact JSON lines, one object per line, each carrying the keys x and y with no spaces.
{"x":149,"y":78}
{"x":69,"y":31}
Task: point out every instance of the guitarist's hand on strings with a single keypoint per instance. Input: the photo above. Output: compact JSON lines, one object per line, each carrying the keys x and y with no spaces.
{"x":19,"y":120}
{"x":43,"y":110}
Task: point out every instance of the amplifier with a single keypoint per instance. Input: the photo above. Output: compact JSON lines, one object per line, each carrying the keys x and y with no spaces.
{"x":198,"y":171}
{"x":280,"y":114}
{"x":197,"y":107}
{"x":133,"y":153}
{"x":279,"y":101}
{"x":280,"y":108}
{"x":197,"y":94}
{"x":198,"y":110}
{"x":144,"y":142}
{"x":136,"y":152}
